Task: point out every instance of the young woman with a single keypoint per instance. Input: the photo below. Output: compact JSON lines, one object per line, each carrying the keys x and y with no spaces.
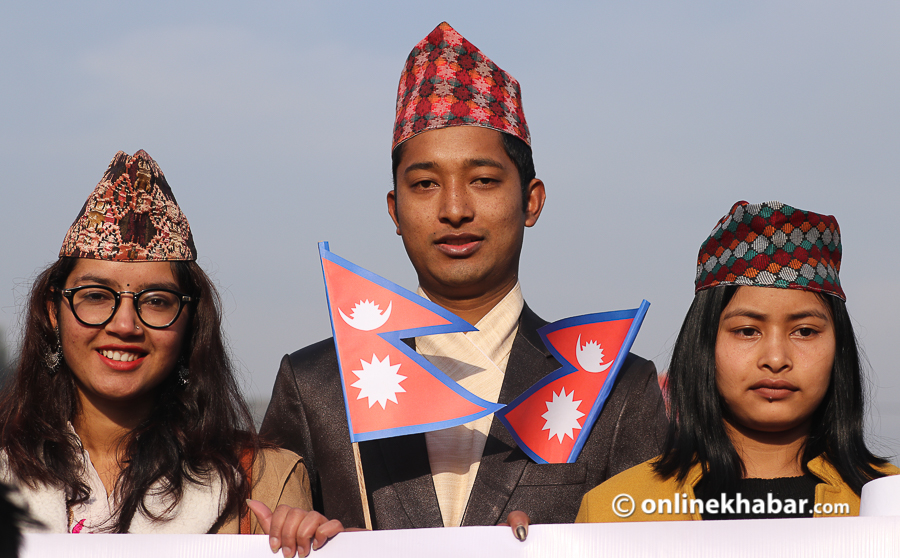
{"x":765,"y":385}
{"x":124,"y":414}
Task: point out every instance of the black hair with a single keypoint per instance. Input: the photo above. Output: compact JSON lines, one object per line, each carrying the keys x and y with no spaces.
{"x":516,"y":149}
{"x":194,"y":430}
{"x":697,"y":432}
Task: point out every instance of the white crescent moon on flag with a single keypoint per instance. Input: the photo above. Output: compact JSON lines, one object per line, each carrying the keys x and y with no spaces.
{"x":367,"y":320}
{"x":590,"y":357}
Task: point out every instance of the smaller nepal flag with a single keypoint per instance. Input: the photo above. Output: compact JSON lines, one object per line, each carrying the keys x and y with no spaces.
{"x":553,"y":418}
{"x":389,"y":389}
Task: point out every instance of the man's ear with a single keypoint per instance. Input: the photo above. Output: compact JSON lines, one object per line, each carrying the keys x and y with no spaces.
{"x":534,"y":202}
{"x":392,"y":208}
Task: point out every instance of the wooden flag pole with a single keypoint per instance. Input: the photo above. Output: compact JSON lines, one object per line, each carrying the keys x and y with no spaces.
{"x":362,"y":486}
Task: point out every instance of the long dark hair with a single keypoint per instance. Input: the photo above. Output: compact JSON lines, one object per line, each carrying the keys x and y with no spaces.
{"x":697,"y":430}
{"x":195,"y":430}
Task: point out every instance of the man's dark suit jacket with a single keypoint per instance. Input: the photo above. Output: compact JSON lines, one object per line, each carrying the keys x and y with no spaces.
{"x":306,"y":415}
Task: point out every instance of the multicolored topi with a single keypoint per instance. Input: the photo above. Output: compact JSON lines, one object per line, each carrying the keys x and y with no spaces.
{"x":772,"y":245}
{"x":131,"y":215}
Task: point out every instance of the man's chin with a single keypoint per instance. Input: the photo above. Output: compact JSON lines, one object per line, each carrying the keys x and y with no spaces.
{"x":463,"y":286}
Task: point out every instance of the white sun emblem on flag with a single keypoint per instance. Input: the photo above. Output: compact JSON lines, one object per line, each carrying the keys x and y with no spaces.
{"x":379,"y":381}
{"x":562,"y":415}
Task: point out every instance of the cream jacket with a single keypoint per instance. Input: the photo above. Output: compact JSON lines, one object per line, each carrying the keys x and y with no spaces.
{"x":279,"y":477}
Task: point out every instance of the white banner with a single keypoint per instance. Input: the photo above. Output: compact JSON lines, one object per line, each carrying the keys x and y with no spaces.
{"x":771,"y":538}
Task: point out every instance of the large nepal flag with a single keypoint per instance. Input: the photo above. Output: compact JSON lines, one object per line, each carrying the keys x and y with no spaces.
{"x":553,"y":418}
{"x":389,"y":389}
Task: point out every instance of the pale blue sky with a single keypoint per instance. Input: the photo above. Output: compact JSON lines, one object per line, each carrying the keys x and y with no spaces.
{"x":272,"y":122}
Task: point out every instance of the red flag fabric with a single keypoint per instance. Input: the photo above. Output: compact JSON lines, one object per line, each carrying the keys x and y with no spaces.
{"x":389,"y":389}
{"x":552,"y":420}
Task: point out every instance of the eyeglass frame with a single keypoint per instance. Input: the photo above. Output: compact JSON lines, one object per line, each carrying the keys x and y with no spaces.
{"x":183,"y":300}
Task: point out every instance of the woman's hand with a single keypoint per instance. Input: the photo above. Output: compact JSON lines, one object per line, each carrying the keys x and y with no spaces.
{"x":518,"y":521}
{"x":294,"y":530}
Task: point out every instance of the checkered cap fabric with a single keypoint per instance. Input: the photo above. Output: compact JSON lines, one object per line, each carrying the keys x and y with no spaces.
{"x":131,"y":215}
{"x":448,"y":82}
{"x":772,"y":245}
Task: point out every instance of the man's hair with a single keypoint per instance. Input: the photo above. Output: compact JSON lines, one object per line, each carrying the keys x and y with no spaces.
{"x":517,"y":150}
{"x":697,"y":431}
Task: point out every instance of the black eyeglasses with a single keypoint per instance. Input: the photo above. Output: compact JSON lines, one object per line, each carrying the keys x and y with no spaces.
{"x":95,"y":305}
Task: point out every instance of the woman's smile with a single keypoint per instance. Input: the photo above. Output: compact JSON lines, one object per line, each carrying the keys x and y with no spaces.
{"x":122,"y":360}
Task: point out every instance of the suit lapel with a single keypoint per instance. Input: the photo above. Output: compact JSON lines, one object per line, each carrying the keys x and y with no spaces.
{"x":408,"y":473}
{"x":502,"y":463}
{"x":406,"y":461}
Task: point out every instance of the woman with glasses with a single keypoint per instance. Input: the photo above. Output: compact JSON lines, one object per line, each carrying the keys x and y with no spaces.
{"x":124,"y":414}
{"x":765,"y":386}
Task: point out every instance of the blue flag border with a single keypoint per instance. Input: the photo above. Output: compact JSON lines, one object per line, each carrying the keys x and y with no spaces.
{"x":394,"y":338}
{"x":637,"y":314}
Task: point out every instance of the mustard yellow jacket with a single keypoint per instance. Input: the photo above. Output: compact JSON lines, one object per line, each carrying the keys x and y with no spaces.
{"x":641,"y":483}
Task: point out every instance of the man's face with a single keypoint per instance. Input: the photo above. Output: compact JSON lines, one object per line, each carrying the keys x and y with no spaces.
{"x":459,"y":208}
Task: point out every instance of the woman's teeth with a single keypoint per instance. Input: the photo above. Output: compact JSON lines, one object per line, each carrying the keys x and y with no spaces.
{"x":118,"y":355}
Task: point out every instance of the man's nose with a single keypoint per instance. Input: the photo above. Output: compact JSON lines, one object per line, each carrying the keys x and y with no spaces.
{"x":456,"y":204}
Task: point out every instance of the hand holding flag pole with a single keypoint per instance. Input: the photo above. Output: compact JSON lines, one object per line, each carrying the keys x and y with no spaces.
{"x":390,"y":390}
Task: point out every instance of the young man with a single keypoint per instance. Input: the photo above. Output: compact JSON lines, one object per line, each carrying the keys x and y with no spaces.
{"x":464,"y":191}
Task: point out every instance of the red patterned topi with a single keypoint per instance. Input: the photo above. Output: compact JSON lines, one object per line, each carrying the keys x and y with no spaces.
{"x":448,"y":82}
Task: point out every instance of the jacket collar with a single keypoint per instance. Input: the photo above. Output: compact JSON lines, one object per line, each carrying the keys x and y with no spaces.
{"x":819,"y":466}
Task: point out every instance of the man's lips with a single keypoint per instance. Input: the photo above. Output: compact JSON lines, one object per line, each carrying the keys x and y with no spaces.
{"x":774,"y":389}
{"x":457,"y":245}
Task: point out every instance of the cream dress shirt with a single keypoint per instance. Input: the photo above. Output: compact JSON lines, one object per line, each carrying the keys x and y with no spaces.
{"x":477,"y":361}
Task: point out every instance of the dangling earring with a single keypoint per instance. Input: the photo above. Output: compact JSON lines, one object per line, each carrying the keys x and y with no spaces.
{"x":183,"y":375}
{"x":54,"y":357}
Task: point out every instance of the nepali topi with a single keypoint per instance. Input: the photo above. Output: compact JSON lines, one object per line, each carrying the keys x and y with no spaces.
{"x":131,"y":216}
{"x":447,"y":82}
